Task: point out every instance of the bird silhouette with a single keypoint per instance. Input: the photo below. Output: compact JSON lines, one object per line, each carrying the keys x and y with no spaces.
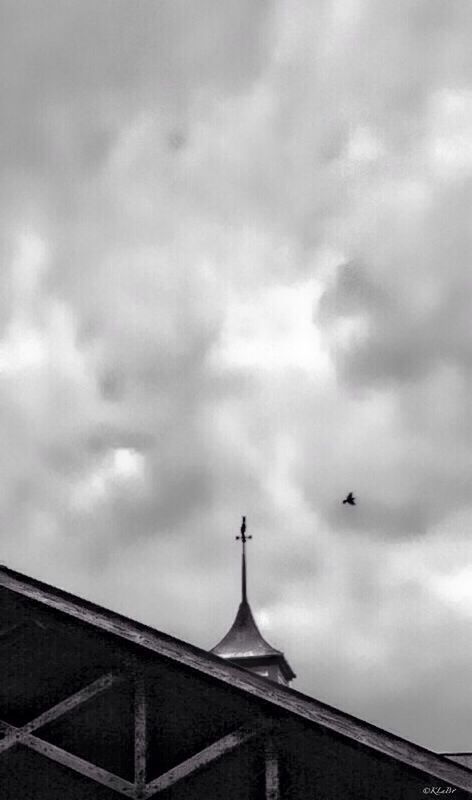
{"x":350,"y":499}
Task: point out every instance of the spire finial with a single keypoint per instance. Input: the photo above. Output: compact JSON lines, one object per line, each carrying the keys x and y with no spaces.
{"x":243,"y":539}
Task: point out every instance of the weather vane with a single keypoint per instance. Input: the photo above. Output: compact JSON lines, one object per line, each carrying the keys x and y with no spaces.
{"x":243,"y":536}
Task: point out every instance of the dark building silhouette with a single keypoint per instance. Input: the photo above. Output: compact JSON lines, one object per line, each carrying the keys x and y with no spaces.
{"x":94,"y":706}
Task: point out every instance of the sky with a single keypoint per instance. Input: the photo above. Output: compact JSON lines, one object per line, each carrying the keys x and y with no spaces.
{"x":235,"y":244}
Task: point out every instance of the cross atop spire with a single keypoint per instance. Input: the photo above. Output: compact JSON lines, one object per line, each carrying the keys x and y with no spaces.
{"x":243,"y":539}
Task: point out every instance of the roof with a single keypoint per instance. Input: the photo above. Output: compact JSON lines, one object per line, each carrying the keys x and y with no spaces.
{"x":244,"y":638}
{"x":245,"y":641}
{"x":460,"y":758}
{"x":277,"y":695}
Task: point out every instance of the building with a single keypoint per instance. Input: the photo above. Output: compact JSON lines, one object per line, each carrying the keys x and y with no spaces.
{"x":460,"y":758}
{"x":94,"y":706}
{"x":244,"y":644}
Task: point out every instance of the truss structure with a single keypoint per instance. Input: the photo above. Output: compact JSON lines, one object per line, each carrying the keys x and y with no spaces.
{"x":140,"y":789}
{"x":298,"y":741}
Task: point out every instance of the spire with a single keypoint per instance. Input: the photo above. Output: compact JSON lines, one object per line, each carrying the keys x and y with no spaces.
{"x":243,"y":539}
{"x":244,"y":644}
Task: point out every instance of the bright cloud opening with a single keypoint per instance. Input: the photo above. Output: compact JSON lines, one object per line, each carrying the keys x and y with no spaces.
{"x":121,"y":469}
{"x":275,"y":330}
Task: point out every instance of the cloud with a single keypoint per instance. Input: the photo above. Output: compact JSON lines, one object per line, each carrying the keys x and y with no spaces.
{"x":236,"y":243}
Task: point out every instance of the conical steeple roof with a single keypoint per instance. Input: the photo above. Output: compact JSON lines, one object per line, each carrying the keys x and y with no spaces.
{"x":244,"y":640}
{"x":244,"y":643}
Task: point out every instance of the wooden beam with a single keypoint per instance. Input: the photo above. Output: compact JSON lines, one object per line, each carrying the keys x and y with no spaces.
{"x":140,"y":737}
{"x":207,"y":756}
{"x":272,"y":778}
{"x":14,"y":735}
{"x":79,"y":765}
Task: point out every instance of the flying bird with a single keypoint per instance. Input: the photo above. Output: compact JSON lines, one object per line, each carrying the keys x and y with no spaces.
{"x":350,"y":499}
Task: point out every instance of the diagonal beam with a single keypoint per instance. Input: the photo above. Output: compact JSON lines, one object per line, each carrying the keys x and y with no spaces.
{"x":15,"y":735}
{"x":80,"y":765}
{"x":210,"y":754}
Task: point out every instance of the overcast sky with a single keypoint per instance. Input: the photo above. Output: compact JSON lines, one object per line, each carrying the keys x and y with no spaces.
{"x":236,"y":244}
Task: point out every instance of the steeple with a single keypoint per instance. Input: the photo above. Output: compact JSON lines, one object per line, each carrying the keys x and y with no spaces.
{"x":244,"y":645}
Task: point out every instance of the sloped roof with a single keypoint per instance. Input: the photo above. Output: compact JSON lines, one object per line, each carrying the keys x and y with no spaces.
{"x":465,"y":759}
{"x":278,"y":695}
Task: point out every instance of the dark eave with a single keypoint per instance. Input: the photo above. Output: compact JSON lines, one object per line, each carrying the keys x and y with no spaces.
{"x":275,"y":694}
